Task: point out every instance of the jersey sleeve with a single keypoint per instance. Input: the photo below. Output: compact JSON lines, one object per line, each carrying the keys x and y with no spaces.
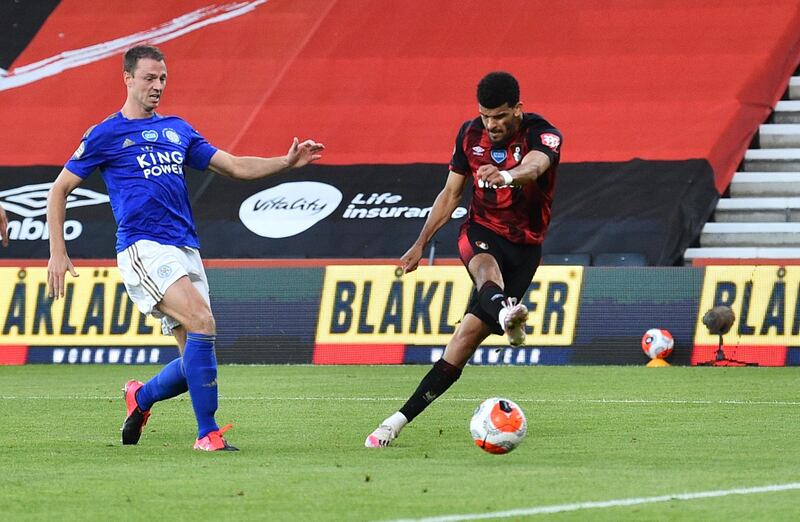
{"x":547,"y":140}
{"x":89,"y":154}
{"x":459,"y":162}
{"x":199,"y":151}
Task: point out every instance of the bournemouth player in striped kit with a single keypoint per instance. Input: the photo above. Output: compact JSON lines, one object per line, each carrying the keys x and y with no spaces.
{"x":509,"y":158}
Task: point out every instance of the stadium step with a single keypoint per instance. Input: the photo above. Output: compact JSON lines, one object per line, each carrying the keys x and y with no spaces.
{"x":736,"y":253}
{"x":751,"y":235}
{"x":760,"y":210}
{"x":794,"y":88}
{"x":765,"y":184}
{"x":783,"y":135}
{"x":787,"y":111}
{"x":761,"y":218}
{"x":775,"y":160}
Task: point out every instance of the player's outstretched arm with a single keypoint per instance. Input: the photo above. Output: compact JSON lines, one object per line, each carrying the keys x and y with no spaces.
{"x":443,"y":207}
{"x":59,"y":263}
{"x":253,"y":167}
{"x":4,"y":226}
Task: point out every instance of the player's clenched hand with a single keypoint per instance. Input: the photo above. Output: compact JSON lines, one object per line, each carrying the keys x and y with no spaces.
{"x":490,"y":176}
{"x":301,"y":154}
{"x":411,"y":258}
{"x":57,"y":268}
{"x":4,"y":226}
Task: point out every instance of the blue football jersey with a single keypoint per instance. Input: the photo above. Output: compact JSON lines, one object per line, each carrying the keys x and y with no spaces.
{"x":142,"y":164}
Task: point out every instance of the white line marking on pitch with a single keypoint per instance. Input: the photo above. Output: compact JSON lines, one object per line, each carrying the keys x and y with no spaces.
{"x":442,"y":399}
{"x":623,"y":502}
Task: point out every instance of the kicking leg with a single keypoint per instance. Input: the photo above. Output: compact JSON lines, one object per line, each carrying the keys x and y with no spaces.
{"x":492,"y":304}
{"x":169,"y":382}
{"x":446,"y":371}
{"x":139,"y":398}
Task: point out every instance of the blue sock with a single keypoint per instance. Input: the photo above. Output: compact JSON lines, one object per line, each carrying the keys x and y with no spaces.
{"x":200,"y":366}
{"x":167,"y":383}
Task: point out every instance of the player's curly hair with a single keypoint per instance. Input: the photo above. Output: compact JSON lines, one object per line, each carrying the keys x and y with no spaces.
{"x":497,"y":88}
{"x":136,"y":53}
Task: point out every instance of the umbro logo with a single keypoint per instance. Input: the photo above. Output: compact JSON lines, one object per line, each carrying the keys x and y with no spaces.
{"x":30,"y":201}
{"x":128,"y":143}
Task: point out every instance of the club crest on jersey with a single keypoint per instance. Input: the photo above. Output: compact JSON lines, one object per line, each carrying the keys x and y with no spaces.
{"x":477,"y":150}
{"x":516,"y":152}
{"x":150,"y":135}
{"x":481,"y":245}
{"x":171,"y":135}
{"x":551,"y":141}
{"x":499,"y":155}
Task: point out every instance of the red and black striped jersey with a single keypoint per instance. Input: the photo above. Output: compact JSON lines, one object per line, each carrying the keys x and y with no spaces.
{"x":519,"y":214}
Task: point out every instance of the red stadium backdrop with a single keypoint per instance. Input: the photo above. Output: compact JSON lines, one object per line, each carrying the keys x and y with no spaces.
{"x":657,"y":100}
{"x":661,"y":80}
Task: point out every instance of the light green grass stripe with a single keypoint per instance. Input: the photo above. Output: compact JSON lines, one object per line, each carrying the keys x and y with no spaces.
{"x":442,"y":399}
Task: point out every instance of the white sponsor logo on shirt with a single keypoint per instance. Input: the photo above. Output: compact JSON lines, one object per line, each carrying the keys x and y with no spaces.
{"x":158,"y":163}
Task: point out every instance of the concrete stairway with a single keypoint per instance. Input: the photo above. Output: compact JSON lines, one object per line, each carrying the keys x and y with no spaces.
{"x":761,"y":218}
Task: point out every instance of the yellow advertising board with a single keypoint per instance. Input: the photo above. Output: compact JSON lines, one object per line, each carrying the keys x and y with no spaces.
{"x":371,"y":305}
{"x":765,"y":300}
{"x":95,"y":311}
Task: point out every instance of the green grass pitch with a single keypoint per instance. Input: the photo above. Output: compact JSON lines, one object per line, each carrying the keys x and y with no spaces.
{"x":595,"y":434}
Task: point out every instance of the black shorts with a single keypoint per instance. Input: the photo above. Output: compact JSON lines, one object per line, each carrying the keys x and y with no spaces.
{"x":518,"y":263}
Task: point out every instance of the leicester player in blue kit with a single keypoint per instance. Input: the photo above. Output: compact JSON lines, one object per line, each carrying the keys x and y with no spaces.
{"x":141,"y":156}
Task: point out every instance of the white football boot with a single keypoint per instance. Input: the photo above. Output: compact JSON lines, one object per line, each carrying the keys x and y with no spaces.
{"x":381,"y":437}
{"x":513,"y":317}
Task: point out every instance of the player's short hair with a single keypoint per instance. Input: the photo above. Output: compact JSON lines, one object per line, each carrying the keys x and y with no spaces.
{"x":497,"y":88}
{"x":136,"y":53}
